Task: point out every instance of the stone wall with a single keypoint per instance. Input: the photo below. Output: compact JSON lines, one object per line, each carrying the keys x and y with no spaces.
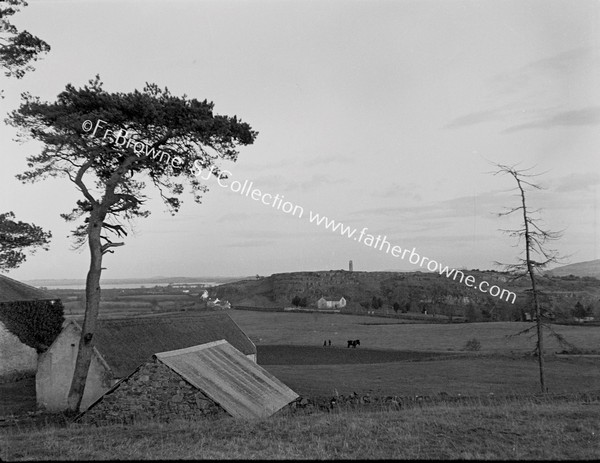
{"x":154,"y":392}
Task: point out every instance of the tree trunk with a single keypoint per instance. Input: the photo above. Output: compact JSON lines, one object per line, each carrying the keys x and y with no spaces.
{"x":536,"y":305}
{"x":92,"y":307}
{"x":540,"y":343}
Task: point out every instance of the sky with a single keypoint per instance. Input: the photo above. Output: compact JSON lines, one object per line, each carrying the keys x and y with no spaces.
{"x":385,"y":115}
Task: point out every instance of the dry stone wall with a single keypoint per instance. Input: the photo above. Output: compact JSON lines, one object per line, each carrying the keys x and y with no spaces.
{"x":154,"y":392}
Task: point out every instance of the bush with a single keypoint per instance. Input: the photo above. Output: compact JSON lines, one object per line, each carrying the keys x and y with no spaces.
{"x":473,"y":345}
{"x":298,"y":301}
{"x":35,"y":323}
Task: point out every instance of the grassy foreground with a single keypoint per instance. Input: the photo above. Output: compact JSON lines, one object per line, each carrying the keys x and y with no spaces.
{"x":520,"y":429}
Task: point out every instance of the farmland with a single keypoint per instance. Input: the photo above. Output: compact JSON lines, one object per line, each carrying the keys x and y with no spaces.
{"x":501,"y":416}
{"x":427,"y":356}
{"x":311,"y":329}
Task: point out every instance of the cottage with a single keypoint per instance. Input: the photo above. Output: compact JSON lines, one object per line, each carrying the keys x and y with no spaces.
{"x":218,"y":304}
{"x":331,"y":303}
{"x":209,"y":380}
{"x":30,"y":319}
{"x":121,"y":345}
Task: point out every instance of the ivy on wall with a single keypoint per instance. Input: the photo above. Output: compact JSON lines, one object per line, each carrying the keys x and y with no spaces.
{"x":35,"y":323}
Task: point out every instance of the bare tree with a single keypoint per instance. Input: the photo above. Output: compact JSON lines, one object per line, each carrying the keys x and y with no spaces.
{"x":535,"y":256}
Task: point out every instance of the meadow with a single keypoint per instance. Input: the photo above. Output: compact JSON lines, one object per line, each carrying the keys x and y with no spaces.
{"x":439,"y":362}
{"x":311,"y":329}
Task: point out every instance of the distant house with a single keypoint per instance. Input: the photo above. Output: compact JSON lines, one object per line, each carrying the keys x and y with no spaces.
{"x":30,"y":319}
{"x":121,"y":345}
{"x":218,"y":304}
{"x":331,"y":303}
{"x":530,"y":316}
{"x":202,"y":381}
{"x":586,"y":319}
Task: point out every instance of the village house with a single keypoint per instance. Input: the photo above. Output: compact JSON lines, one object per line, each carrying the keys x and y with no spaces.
{"x":218,"y":304}
{"x":586,"y":319}
{"x":331,"y":303}
{"x":121,"y":345}
{"x":30,"y":319}
{"x":209,"y":380}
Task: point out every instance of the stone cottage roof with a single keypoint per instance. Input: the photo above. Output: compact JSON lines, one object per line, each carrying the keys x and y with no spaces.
{"x":13,"y":290}
{"x":216,"y":376}
{"x":126,"y":343}
{"x":240,"y":386}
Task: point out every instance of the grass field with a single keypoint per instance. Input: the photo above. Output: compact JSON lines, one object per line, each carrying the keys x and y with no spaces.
{"x":308,"y":355}
{"x":465,"y":376}
{"x":500,"y":367}
{"x":518,"y":429}
{"x":319,"y":371}
{"x":312,"y":329}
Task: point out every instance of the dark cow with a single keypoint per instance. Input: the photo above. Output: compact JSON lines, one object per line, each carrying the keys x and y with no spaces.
{"x":354,"y":343}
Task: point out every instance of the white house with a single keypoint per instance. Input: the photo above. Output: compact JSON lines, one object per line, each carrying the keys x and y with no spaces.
{"x":218,"y":304}
{"x":331,"y":303}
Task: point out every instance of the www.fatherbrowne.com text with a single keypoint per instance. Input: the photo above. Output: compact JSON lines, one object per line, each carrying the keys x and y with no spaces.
{"x":247,"y":189}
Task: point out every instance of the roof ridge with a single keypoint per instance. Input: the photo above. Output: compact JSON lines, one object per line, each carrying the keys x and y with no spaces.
{"x":163,"y":318}
{"x":41,"y":295}
{"x":188,"y":350}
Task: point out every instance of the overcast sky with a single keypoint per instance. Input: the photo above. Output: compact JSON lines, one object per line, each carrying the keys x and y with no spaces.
{"x":379,"y":114}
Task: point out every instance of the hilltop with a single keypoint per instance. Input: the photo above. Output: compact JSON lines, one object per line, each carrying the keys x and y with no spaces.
{"x":590,"y":268}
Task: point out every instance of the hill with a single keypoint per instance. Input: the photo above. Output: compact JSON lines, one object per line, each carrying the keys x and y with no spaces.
{"x":589,"y":268}
{"x":415,"y":292}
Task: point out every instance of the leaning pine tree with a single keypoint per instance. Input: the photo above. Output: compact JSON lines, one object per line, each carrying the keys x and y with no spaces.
{"x":110,"y":145}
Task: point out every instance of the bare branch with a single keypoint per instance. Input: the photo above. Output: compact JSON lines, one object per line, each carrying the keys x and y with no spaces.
{"x":105,"y":247}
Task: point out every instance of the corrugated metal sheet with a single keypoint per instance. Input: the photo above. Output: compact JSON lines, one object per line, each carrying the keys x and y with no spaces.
{"x":240,"y":386}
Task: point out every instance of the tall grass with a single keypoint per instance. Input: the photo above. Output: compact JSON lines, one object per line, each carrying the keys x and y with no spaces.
{"x":525,"y":428}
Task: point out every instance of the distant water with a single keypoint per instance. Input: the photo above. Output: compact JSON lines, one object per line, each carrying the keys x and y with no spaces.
{"x":126,"y":285}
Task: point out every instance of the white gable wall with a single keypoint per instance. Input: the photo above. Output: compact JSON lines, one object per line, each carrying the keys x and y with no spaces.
{"x":55,"y":373}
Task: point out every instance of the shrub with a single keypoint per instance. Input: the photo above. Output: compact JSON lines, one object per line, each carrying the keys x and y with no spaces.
{"x":473,"y":344}
{"x":35,"y":323}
